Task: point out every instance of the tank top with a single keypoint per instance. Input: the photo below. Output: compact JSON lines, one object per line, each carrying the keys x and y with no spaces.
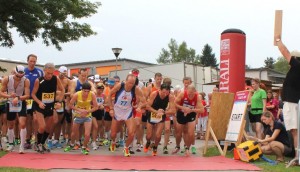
{"x":123,"y":100}
{"x":32,"y":76}
{"x":100,"y":99}
{"x":159,"y":103}
{"x":47,"y":90}
{"x":186,"y":102}
{"x":83,"y":104}
{"x":19,"y":90}
{"x":78,"y":85}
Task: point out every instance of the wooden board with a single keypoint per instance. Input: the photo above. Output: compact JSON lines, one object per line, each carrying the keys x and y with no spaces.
{"x":277,"y":25}
{"x":220,"y":111}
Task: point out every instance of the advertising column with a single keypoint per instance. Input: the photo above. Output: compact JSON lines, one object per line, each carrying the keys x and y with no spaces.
{"x":232,"y":60}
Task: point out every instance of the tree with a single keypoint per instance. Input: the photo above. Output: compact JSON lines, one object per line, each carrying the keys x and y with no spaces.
{"x":208,"y":58}
{"x":176,"y":53}
{"x":55,"y":21}
{"x":269,"y":62}
{"x":281,"y":65}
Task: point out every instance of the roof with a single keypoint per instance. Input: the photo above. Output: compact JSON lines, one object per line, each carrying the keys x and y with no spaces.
{"x":104,"y":61}
{"x":265,"y":68}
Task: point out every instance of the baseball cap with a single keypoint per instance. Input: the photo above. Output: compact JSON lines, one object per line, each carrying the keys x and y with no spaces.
{"x":63,"y":69}
{"x":97,"y":78}
{"x":111,"y":82}
{"x":100,"y":86}
{"x":20,"y":69}
{"x":135,"y":72}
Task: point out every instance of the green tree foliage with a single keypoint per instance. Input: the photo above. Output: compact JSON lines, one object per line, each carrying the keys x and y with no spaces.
{"x":178,"y":53}
{"x":208,"y":58}
{"x":269,"y":62}
{"x":281,"y":65}
{"x":55,"y":21}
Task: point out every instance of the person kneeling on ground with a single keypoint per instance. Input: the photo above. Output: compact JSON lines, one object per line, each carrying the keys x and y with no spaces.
{"x":277,"y":140}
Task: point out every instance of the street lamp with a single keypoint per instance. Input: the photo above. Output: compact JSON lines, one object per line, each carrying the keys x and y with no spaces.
{"x":117,"y":52}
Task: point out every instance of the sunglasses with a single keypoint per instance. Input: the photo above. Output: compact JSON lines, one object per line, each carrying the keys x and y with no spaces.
{"x":165,"y":86}
{"x":100,"y":87}
{"x":21,"y":72}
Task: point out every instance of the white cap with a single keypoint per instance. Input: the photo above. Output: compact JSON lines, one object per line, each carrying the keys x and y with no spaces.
{"x":20,"y":68}
{"x":177,"y":87}
{"x":97,"y":78}
{"x":63,"y":69}
{"x":91,"y":78}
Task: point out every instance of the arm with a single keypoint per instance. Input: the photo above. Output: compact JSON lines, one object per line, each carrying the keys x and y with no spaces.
{"x":264,"y":104}
{"x":69,"y":87}
{"x":283,"y":49}
{"x":270,"y":138}
{"x":112,"y":92}
{"x":72,"y":87}
{"x":94,"y":103}
{"x":199,"y":107}
{"x":33,"y":94}
{"x":26,"y":90}
{"x":171,"y":109}
{"x":72,"y":102}
{"x":60,"y":88}
{"x":141,"y":98}
{"x":92,"y":87}
{"x":178,"y":100}
{"x":3,"y":91}
{"x":150,"y":102}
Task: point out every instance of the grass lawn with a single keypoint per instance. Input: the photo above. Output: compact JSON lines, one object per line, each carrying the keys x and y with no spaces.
{"x":14,"y":169}
{"x":265,"y":166}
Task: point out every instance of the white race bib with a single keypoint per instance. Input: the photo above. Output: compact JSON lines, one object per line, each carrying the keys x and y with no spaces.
{"x":16,"y":108}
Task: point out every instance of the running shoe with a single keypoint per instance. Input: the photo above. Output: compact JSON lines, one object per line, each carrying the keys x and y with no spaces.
{"x":176,"y":150}
{"x":126,"y":152}
{"x":101,"y":142}
{"x":139,"y":149}
{"x":45,"y":148}
{"x":84,"y":151}
{"x":58,"y":145}
{"x":106,"y":142}
{"x":27,"y":146}
{"x":130,"y":150}
{"x":76,"y":147}
{"x":165,"y":150}
{"x":21,"y":149}
{"x":146,"y":147}
{"x":194,"y":150}
{"x":10,"y":147}
{"x":40,"y":148}
{"x":94,"y":145}
{"x":49,"y":144}
{"x":154,"y":151}
{"x":112,"y":147}
{"x":151,"y":146}
{"x":187,"y":151}
{"x":121,"y":143}
{"x":68,"y":148}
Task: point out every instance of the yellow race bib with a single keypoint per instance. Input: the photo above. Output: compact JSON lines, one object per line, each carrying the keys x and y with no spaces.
{"x":48,"y":97}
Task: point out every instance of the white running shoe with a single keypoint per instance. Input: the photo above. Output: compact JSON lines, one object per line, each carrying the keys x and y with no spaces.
{"x":10,"y":148}
{"x":21,"y":149}
{"x":94,"y":145}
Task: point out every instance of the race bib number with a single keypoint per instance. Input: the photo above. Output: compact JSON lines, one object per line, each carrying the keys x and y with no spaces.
{"x":61,"y":109}
{"x":48,"y":97}
{"x":155,"y":118}
{"x":29,"y":104}
{"x":99,"y":100}
{"x":16,"y":108}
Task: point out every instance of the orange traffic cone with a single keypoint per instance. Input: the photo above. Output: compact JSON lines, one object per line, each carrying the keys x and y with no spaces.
{"x":235,"y":154}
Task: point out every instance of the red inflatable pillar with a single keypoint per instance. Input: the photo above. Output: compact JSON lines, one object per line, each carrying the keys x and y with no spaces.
{"x":232,"y":61}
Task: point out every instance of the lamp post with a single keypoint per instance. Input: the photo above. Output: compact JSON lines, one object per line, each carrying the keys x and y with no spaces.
{"x":117,"y":52}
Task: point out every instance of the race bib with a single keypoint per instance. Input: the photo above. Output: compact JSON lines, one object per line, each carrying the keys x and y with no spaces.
{"x":76,"y":113}
{"x":155,"y":118}
{"x":16,"y":108}
{"x":61,"y":109}
{"x":29,"y":104}
{"x":48,"y":97}
{"x":99,"y":100}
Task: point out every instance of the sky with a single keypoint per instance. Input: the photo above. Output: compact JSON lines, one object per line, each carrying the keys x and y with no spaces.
{"x":143,"y":27}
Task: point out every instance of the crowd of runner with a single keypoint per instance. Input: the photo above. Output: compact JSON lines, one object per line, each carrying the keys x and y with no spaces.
{"x":42,"y":111}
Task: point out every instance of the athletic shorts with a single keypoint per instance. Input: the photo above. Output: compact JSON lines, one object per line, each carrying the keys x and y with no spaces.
{"x":98,"y":114}
{"x":107,"y":117}
{"x":79,"y":120}
{"x":254,"y":118}
{"x":181,"y":119}
{"x":47,"y":112}
{"x":2,"y":108}
{"x":68,"y":116}
{"x":30,"y":111}
{"x":137,"y":114}
{"x":144,"y":117}
{"x":289,"y":152}
{"x":290,"y":115}
{"x":12,"y":115}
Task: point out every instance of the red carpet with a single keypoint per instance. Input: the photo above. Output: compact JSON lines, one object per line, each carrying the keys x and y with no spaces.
{"x":77,"y":161}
